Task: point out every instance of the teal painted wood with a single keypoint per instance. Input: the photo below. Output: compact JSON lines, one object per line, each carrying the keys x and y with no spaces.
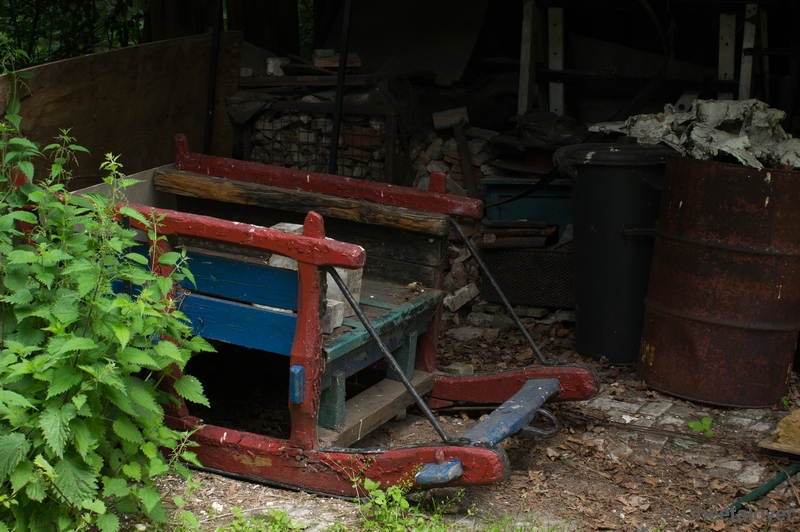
{"x":349,"y":341}
{"x":436,"y":474}
{"x":243,"y":281}
{"x":405,"y":356}
{"x":370,"y":353}
{"x":377,"y":304}
{"x":239,"y":324}
{"x":332,"y":403}
{"x":514,"y":414}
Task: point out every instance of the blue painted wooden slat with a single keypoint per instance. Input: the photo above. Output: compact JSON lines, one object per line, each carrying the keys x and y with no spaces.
{"x":243,"y":281}
{"x":240,"y":324}
{"x":297,"y":384}
{"x":514,"y":414}
{"x":436,"y":474}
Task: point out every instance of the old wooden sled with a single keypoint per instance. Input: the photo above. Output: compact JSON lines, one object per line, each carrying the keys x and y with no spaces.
{"x":242,"y":301}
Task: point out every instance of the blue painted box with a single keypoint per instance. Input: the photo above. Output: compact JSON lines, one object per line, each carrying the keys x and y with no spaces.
{"x":551,"y":204}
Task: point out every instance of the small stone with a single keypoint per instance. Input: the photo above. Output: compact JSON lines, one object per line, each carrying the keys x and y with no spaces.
{"x":565,"y":315}
{"x":476,"y":146}
{"x":310,"y":98}
{"x":461,"y":297}
{"x":489,"y":170}
{"x":450,"y":144}
{"x":323,"y":52}
{"x":437,"y":166}
{"x":490,"y":334}
{"x":487,"y":308}
{"x":458,"y":368}
{"x":333,"y":317}
{"x":245,"y":72}
{"x":535,"y":312}
{"x":618,"y":451}
{"x":479,"y":319}
{"x":502,"y":322}
{"x":463,"y":334}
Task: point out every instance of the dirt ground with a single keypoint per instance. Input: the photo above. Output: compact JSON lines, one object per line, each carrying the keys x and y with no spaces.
{"x":578,"y":478}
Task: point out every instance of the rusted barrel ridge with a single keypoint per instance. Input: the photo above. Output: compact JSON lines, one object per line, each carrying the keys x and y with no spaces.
{"x":722,"y":312}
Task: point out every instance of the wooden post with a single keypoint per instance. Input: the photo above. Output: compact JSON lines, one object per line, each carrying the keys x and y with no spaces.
{"x":555,"y":36}
{"x":727,"y":51}
{"x":527,"y":63}
{"x":748,"y":41}
{"x":764,"y":58}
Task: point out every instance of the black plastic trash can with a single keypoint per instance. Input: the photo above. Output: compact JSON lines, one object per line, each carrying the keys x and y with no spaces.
{"x":616,"y":194}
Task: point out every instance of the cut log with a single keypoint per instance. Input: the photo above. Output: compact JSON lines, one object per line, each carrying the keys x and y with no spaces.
{"x":450,"y":118}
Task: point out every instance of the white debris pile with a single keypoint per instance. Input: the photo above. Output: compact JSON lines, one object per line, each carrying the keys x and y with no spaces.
{"x":748,"y":130}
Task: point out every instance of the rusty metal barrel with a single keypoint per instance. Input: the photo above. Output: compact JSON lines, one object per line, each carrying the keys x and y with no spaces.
{"x":722,"y":311}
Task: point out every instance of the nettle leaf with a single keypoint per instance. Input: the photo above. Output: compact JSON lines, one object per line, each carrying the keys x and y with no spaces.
{"x":125,"y":429}
{"x":83,"y":439}
{"x":97,"y":506}
{"x":157,"y":467}
{"x":149,"y":449}
{"x":117,"y":487}
{"x":64,"y":378}
{"x":35,"y":491}
{"x":133,"y":470}
{"x":54,"y":422}
{"x":21,"y":216}
{"x":76,"y":344}
{"x":22,"y":475}
{"x":190,"y":389}
{"x":27,"y":168}
{"x":22,"y":256}
{"x":137,"y":357}
{"x":126,"y":210}
{"x":141,"y":395}
{"x":122,"y":333}
{"x":108,"y":522}
{"x":13,"y":448}
{"x":200,"y":345}
{"x":119,"y":399}
{"x":167,"y":349}
{"x":19,"y":297}
{"x":150,"y":497}
{"x":75,"y":481}
{"x":170,"y":258}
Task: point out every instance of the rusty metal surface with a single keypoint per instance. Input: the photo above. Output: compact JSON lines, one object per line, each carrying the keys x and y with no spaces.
{"x":722,"y":312}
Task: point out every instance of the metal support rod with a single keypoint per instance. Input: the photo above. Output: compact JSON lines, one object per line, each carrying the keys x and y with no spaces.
{"x":333,"y":163}
{"x":497,"y":289}
{"x":388,"y":356}
{"x":212,"y":77}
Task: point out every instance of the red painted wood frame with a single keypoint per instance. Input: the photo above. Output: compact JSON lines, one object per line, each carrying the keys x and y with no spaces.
{"x":344,"y":187}
{"x":311,"y":250}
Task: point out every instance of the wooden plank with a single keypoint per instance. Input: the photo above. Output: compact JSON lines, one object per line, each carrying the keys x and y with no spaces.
{"x":727,"y":51}
{"x":390,"y":243}
{"x":353,"y":61}
{"x":242,"y":281}
{"x":463,"y":155}
{"x":200,"y":186}
{"x":301,"y":81}
{"x":423,"y":305}
{"x":555,"y":56}
{"x":748,"y":41}
{"x":372,"y":408}
{"x":385,"y":194}
{"x":527,"y":69}
{"x":240,"y":324}
{"x":401,"y":272}
{"x":132,"y":101}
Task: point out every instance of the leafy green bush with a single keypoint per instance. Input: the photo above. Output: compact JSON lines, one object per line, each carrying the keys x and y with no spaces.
{"x":81,"y":415}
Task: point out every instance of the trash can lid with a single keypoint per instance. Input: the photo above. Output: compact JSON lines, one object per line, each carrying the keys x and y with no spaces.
{"x":624,"y":153}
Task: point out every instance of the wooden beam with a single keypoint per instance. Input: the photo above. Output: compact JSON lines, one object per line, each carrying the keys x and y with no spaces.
{"x":727,"y":51}
{"x":555,"y":61}
{"x":748,"y":41}
{"x":527,"y":65}
{"x":246,"y":193}
{"x":372,"y":408}
{"x":343,"y":187}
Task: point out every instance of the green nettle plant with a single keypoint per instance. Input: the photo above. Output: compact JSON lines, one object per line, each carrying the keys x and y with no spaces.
{"x":88,"y":329}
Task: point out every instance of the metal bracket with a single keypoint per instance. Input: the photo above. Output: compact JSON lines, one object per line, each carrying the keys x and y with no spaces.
{"x":535,"y":431}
